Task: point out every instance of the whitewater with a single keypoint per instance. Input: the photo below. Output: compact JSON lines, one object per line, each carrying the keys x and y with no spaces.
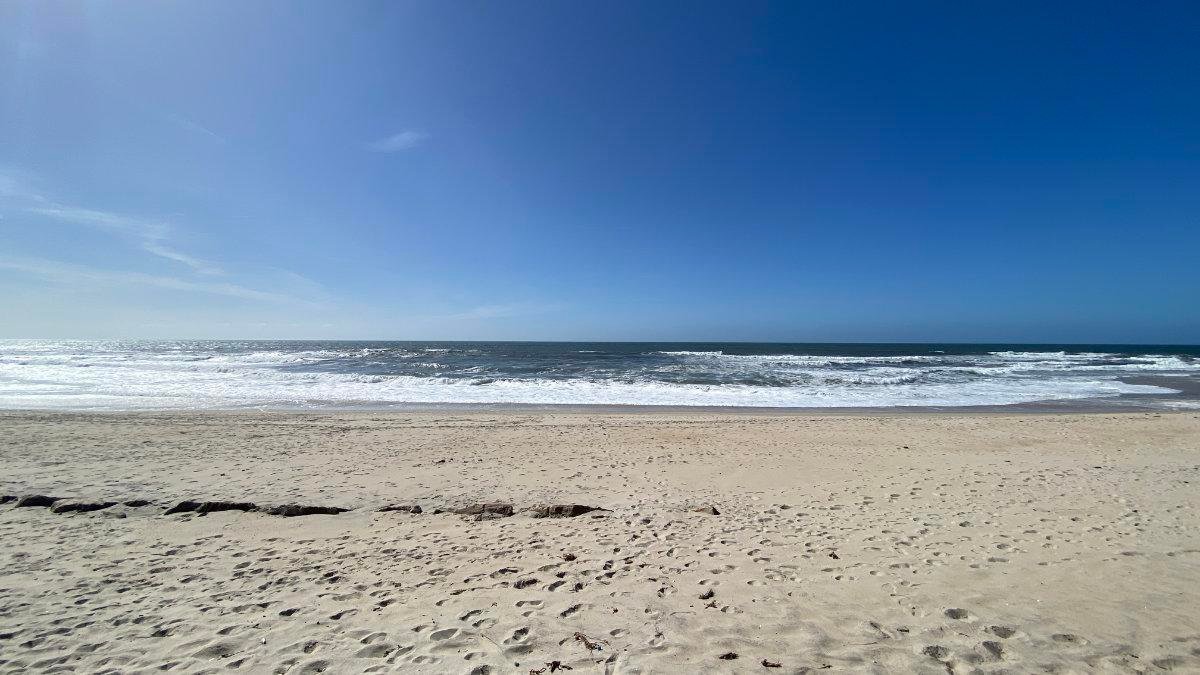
{"x":150,"y":375}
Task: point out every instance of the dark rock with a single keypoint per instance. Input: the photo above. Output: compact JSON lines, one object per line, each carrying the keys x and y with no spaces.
{"x":499,"y":509}
{"x":524,"y":583}
{"x":995,"y":649}
{"x":294,"y":510}
{"x":561,"y":510}
{"x":771,"y":664}
{"x":708,"y":595}
{"x":490,"y":510}
{"x":137,"y":503}
{"x":728,"y":656}
{"x":204,"y":508}
{"x":213,"y":507}
{"x":404,"y":508}
{"x":937,"y":652}
{"x":37,"y":500}
{"x":81,"y":507}
{"x":182,"y":507}
{"x":4,"y":499}
{"x":707,"y":509}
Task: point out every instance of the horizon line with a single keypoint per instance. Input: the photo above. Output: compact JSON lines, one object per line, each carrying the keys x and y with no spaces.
{"x":691,"y":342}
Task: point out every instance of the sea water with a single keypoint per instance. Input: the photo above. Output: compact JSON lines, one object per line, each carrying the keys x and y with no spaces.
{"x":130,"y":375}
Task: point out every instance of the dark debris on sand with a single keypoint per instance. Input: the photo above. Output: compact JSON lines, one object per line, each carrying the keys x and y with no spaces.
{"x":204,"y":508}
{"x":402,"y":508}
{"x":294,"y":510}
{"x":80,"y":507}
{"x":36,"y":500}
{"x":561,"y":510}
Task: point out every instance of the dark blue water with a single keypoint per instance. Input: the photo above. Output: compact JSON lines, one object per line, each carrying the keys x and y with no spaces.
{"x":337,"y":374}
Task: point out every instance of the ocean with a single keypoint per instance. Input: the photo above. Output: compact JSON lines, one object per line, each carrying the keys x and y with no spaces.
{"x":338,"y":375}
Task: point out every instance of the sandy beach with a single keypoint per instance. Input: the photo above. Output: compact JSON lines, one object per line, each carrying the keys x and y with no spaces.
{"x":716,"y":542}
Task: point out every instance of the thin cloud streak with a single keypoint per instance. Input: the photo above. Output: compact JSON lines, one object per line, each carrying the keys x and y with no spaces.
{"x":197,"y":128}
{"x":103,"y":220}
{"x":79,"y":275}
{"x":12,"y":187}
{"x":405,"y":140}
{"x":501,"y":311}
{"x":152,"y":235}
{"x":198,"y":265}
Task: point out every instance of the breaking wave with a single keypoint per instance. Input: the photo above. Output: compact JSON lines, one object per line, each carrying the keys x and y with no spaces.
{"x":219,"y":375}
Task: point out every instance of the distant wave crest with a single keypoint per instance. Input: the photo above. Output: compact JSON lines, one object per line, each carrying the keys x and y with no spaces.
{"x":205,"y":375}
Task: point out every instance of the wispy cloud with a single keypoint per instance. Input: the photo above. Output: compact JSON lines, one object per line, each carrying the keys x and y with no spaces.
{"x":149,"y":235}
{"x":195,"y":127}
{"x":197,"y":265}
{"x":502,"y":311}
{"x":83,"y":276}
{"x":405,"y":140}
{"x":104,"y":220}
{"x":14,"y":185}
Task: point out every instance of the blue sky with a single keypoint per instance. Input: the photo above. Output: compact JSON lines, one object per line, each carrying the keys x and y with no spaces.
{"x":601,"y":170}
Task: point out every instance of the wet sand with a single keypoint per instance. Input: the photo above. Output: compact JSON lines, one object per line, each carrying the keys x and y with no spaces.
{"x":999,"y":542}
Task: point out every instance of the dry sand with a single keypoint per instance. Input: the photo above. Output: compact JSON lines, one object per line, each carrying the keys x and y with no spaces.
{"x":888,"y":543}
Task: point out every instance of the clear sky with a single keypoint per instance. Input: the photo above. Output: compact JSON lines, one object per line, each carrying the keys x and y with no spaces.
{"x":601,"y":170}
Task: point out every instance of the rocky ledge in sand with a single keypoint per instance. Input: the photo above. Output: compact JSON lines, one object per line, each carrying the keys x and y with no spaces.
{"x":561,"y":510}
{"x":402,"y":508}
{"x":284,"y":510}
{"x":36,"y":500}
{"x":204,"y":508}
{"x":480,"y":511}
{"x":488,"y":511}
{"x":294,"y":510}
{"x":81,"y":507}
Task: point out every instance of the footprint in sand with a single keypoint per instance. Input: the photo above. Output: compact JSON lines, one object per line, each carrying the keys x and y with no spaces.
{"x":1068,"y":638}
{"x":376,"y":651}
{"x":318,"y":666}
{"x":217,"y":650}
{"x":1002,"y":631}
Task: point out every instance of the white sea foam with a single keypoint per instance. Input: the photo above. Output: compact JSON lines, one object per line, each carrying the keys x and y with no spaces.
{"x":267,"y":389}
{"x":91,"y":376}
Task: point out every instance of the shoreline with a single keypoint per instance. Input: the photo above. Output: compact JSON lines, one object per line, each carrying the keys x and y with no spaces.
{"x":1032,"y":408}
{"x":1186,"y":397}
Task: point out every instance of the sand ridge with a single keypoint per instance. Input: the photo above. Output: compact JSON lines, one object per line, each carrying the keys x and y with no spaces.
{"x":898,"y":543}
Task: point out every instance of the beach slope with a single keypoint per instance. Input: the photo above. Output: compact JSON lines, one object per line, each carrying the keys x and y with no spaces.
{"x":606,"y":542}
